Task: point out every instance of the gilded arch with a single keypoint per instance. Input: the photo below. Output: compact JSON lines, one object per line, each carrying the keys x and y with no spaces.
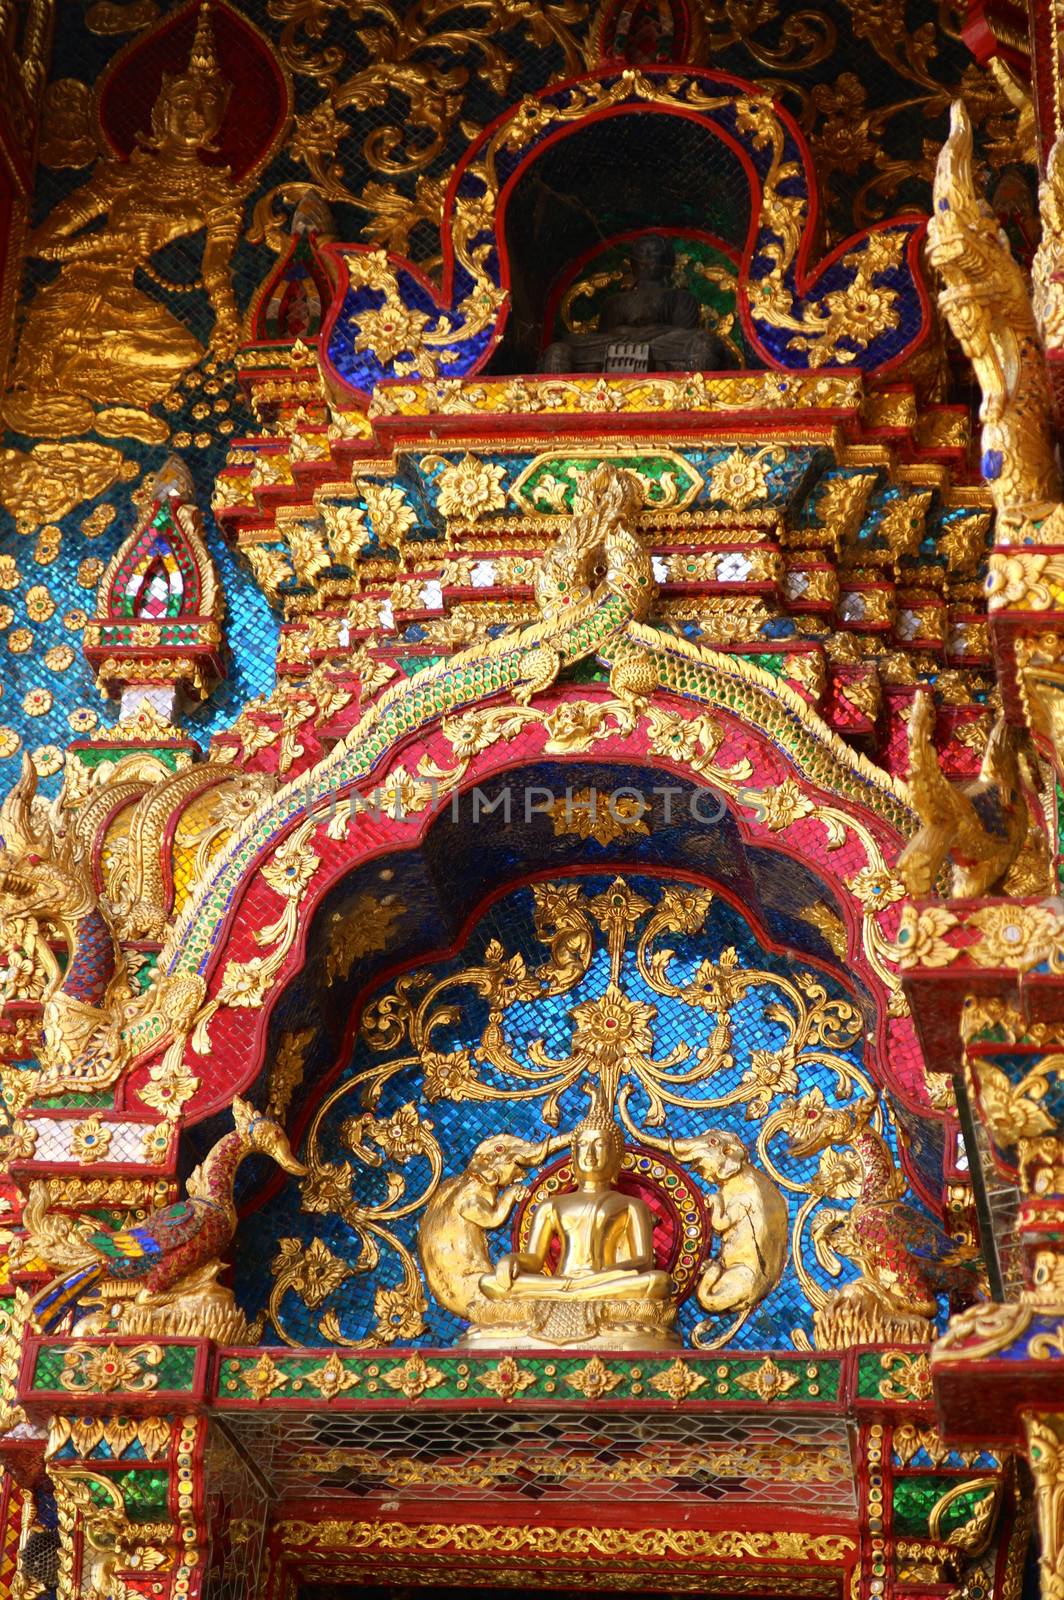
{"x":253,"y":906}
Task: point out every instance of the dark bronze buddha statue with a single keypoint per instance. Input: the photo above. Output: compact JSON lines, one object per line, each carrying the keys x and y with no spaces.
{"x":651,"y":327}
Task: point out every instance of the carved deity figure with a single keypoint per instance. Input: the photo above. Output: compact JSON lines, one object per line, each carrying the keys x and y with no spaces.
{"x":606,"y":1288}
{"x":96,"y":350}
{"x":651,"y":327}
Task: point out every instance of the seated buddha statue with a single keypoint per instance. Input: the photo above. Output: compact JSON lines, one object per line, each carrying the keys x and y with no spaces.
{"x":651,"y":327}
{"x":606,"y":1289}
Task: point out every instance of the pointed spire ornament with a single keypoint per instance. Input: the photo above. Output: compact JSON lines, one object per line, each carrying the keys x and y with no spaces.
{"x":157,"y":631}
{"x":203,"y":59}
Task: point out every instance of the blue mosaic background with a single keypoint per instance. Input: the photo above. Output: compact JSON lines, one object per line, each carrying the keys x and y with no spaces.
{"x":460,"y":1125}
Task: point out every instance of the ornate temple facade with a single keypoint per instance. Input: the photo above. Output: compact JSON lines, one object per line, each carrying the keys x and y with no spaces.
{"x":531,"y":757}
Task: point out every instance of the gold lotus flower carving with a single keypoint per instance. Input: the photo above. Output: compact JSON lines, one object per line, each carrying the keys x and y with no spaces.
{"x":613,"y":1027}
{"x":678,"y":1381}
{"x":333,"y":1377}
{"x":739,"y":480}
{"x":414,"y":1377}
{"x":507,"y":1379}
{"x":470,"y":488}
{"x":90,"y":1141}
{"x":263,"y":1378}
{"x":919,"y":940}
{"x":767,"y":1381}
{"x":390,"y":330}
{"x":390,"y":513}
{"x":594,"y":1380}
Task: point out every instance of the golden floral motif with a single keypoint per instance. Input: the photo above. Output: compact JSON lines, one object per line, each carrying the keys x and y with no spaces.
{"x":876,"y":888}
{"x":1026,"y":580}
{"x":400,"y":1312}
{"x":390,"y":512}
{"x":447,"y":1076}
{"x":155,"y":1143}
{"x":919,"y":941}
{"x":332,"y":1378}
{"x":741,"y":479}
{"x":170,"y":1084}
{"x":909,"y":1376}
{"x":589,"y":814}
{"x":313,"y":1272}
{"x":612,"y":1027}
{"x":470,"y":488}
{"x":768,"y":1381}
{"x":90,"y":1141}
{"x":414,"y":1377}
{"x":594,"y":1380}
{"x":507,"y":1378}
{"x":678,"y":1381}
{"x":291,"y":867}
{"x":401,"y":794}
{"x":264,"y":1378}
{"x":102,"y":1369}
{"x":1015,"y":936}
{"x":309,"y":554}
{"x":402,"y":1135}
{"x":346,"y":528}
{"x":778,"y":807}
{"x":693,"y":740}
{"x":391,"y":330}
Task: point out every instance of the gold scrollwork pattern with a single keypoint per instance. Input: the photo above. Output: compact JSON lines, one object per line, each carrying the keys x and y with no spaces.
{"x":612,"y":1043}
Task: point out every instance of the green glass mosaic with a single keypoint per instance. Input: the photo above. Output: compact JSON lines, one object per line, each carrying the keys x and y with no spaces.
{"x":916,"y":1498}
{"x":89,"y":1362}
{"x":901,"y":1376}
{"x":431,"y":1377}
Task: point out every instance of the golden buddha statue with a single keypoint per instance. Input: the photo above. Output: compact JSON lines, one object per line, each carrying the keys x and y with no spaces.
{"x":97,"y":349}
{"x":607,"y":1289}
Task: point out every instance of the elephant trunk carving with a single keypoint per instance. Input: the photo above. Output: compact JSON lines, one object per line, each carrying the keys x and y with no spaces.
{"x":453,"y":1237}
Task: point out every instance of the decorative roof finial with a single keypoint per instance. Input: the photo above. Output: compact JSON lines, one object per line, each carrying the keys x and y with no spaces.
{"x":204,"y":60}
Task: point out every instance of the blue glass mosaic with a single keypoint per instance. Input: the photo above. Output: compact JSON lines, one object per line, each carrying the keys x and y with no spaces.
{"x":535,"y":1031}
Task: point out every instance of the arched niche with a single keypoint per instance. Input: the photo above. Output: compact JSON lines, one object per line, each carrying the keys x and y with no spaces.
{"x":604,"y":181}
{"x":467,"y":876}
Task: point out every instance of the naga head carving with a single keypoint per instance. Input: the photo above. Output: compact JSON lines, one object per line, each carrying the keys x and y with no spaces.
{"x":40,"y":875}
{"x":816,"y":1126}
{"x":609,"y":494}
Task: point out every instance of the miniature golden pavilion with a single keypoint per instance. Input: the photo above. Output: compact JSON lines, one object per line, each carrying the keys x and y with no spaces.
{"x":531,"y":757}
